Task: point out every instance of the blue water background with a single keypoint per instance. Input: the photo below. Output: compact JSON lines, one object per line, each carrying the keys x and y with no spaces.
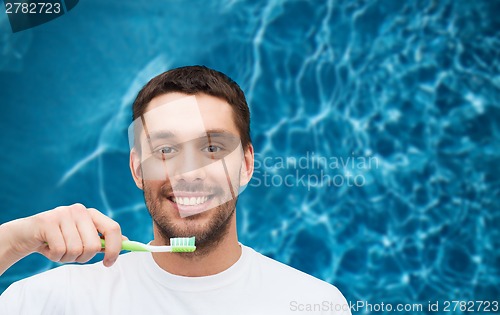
{"x":412,"y":86}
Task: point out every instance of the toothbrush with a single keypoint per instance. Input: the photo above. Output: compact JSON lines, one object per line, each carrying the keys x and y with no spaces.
{"x":177,"y":245}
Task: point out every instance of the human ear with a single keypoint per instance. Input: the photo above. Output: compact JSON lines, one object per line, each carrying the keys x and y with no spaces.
{"x":135,"y":168}
{"x":248,"y":165}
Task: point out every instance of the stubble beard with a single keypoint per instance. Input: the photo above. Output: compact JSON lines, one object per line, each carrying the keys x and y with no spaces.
{"x":208,"y":235}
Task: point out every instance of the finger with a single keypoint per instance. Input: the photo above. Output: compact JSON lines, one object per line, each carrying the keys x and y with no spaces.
{"x":74,"y":245}
{"x":90,"y":238}
{"x":112,"y":233}
{"x":124,"y":238}
{"x":56,"y":247}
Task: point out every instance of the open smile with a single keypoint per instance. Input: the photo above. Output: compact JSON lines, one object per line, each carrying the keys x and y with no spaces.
{"x":190,"y":203}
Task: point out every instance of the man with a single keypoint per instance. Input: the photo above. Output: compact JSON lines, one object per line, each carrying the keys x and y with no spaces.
{"x":191,"y":154}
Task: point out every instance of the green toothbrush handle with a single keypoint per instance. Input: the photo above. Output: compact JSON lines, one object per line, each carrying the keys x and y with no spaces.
{"x":129,"y":245}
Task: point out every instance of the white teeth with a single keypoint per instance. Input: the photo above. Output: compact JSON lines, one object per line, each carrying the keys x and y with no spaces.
{"x":193,"y":201}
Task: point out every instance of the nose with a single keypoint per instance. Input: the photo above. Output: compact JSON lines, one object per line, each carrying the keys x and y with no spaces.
{"x":188,"y":166}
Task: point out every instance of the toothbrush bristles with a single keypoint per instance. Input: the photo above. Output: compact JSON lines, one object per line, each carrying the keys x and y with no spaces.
{"x":183,"y":244}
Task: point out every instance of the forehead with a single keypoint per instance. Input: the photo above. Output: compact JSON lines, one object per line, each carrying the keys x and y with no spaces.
{"x":189,"y":115}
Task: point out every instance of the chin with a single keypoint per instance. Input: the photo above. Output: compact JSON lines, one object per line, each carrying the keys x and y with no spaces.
{"x":208,"y":226}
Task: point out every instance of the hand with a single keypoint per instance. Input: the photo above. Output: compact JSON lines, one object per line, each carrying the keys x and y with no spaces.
{"x":65,"y":234}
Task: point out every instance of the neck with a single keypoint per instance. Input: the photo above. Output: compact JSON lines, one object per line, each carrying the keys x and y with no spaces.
{"x":215,"y":260}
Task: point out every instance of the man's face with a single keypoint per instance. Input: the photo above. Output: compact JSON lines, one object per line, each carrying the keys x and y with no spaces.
{"x":190,"y":165}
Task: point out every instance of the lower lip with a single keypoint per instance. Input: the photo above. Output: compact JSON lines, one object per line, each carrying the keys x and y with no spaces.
{"x":186,"y":211}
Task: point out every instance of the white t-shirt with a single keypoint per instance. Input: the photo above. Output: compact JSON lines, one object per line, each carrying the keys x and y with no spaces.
{"x":136,"y":285}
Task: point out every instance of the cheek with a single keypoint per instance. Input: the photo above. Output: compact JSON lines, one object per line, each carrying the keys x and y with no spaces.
{"x":220,"y":170}
{"x":234,"y":165}
{"x":154,"y":170}
{"x":152,"y":188}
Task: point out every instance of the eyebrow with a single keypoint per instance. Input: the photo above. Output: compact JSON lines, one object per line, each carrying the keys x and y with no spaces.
{"x":161,"y":134}
{"x":212,"y":133}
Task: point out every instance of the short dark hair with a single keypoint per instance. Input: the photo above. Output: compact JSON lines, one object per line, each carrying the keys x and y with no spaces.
{"x":198,"y":79}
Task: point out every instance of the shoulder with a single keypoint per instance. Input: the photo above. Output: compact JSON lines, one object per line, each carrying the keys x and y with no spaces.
{"x":292,"y":279}
{"x":58,"y":280}
{"x":293,"y":289}
{"x":49,"y":292}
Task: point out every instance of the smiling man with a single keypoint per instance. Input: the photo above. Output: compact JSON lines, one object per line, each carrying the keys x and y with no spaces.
{"x":191,"y":154}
